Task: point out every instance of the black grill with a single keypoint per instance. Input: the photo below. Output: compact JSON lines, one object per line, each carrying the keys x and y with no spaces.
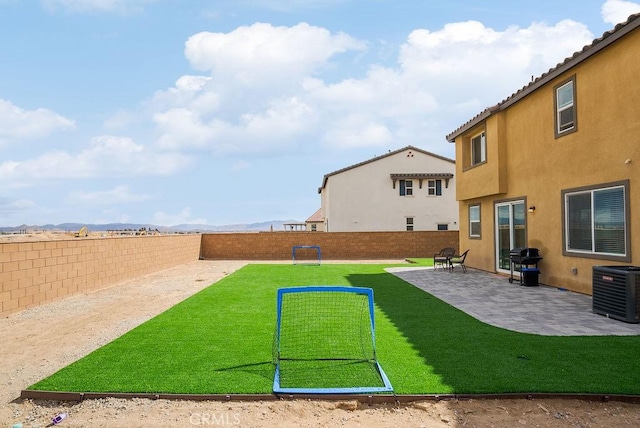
{"x":525,"y":256}
{"x":521,"y":260}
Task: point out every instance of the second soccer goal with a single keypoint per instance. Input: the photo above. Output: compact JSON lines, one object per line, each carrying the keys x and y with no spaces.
{"x":325,"y":342}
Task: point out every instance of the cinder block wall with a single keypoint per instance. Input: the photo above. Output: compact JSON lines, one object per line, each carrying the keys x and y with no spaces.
{"x":334,"y":245}
{"x":33,"y":273}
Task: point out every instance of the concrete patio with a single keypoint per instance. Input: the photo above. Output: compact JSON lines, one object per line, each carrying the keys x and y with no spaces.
{"x":492,"y":299}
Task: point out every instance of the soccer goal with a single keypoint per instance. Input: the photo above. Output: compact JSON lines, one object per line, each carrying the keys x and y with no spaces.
{"x":325,"y":342}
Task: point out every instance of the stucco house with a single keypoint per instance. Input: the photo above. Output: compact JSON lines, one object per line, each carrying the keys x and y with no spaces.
{"x":556,"y":166}
{"x":314,"y":222}
{"x":403,"y":190}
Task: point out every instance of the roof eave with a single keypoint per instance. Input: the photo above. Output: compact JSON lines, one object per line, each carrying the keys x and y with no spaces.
{"x":596,"y":46}
{"x":326,"y":177}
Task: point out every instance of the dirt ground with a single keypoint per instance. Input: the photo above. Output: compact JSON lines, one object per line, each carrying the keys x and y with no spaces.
{"x":39,"y":341}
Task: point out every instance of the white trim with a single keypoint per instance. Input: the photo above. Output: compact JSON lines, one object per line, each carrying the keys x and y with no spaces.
{"x":512,"y":237}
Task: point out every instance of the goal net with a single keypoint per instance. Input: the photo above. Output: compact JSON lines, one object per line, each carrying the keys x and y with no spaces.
{"x":325,"y":342}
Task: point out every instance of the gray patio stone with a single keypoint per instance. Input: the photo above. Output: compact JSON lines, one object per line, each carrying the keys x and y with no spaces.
{"x":492,"y":299}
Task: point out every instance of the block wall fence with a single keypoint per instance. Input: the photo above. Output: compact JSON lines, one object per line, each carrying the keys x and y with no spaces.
{"x":334,"y":245}
{"x":34,"y":273}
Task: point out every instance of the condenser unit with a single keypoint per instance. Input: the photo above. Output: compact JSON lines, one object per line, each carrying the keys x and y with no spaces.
{"x":616,"y":292}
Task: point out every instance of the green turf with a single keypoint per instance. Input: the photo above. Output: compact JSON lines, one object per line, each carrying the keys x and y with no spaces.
{"x":220,"y":341}
{"x":420,"y":261}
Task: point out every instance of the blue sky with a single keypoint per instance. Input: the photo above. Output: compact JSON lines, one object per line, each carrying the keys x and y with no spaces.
{"x":231,"y":111}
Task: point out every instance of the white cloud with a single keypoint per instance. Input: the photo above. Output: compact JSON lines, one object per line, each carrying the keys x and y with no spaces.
{"x":17,"y":123}
{"x":253,"y":102}
{"x":107,"y":156}
{"x":117,"y":195}
{"x":463,"y":67}
{"x":188,"y":91}
{"x":282,"y":120}
{"x":16,"y":211}
{"x":268,"y":92}
{"x":470,"y":52}
{"x":275,"y":127}
{"x":357,"y":131}
{"x":85,"y":6}
{"x":191,"y":83}
{"x":617,"y":11}
{"x":375,"y":111}
{"x":263,"y":54}
{"x":15,"y":205}
{"x":183,"y":217}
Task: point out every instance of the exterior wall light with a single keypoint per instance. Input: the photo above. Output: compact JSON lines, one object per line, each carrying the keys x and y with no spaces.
{"x":532,"y":209}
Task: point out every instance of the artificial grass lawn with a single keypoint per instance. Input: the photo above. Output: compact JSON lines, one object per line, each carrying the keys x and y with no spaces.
{"x":219,"y":341}
{"x":420,"y":261}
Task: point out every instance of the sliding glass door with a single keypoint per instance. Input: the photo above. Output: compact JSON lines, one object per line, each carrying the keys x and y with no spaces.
{"x":510,"y":231}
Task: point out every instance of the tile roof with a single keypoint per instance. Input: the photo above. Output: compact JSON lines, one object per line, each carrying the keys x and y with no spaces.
{"x":607,"y":38}
{"x":315,"y":217}
{"x":390,"y":153}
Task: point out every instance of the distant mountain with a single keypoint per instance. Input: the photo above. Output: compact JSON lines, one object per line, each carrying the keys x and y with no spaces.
{"x":241,"y":227}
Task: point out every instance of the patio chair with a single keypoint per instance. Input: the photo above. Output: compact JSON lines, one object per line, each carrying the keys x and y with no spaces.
{"x":442,"y":258}
{"x":458,"y":261}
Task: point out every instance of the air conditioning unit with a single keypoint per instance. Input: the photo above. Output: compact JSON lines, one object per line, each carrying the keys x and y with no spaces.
{"x":616,"y":292}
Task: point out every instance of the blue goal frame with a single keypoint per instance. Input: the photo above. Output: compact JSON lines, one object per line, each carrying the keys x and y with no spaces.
{"x":278,"y":389}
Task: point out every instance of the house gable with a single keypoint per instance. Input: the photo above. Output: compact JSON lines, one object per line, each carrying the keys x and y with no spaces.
{"x":377,"y":158}
{"x":406,"y":189}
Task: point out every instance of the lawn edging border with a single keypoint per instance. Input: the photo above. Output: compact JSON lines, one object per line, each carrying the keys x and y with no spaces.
{"x":362,"y":398}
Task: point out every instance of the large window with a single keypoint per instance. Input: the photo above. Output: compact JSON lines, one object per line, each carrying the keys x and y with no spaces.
{"x":565,"y":107}
{"x":474,"y":221}
{"x":406,"y":187}
{"x":478,"y":149}
{"x":434,"y":187}
{"x":596,"y":221}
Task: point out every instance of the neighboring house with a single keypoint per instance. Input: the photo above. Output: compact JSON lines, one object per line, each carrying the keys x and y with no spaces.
{"x":294,"y":227}
{"x":315,"y":223}
{"x":407,"y":189}
{"x":556,"y":166}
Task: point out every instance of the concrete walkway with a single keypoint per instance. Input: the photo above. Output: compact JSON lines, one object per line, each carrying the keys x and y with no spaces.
{"x":492,"y":299}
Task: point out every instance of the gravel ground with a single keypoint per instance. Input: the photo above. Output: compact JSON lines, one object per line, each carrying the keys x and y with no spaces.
{"x":39,"y":341}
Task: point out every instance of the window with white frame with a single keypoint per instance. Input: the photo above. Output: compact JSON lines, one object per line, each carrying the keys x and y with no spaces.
{"x":478,"y":149}
{"x":443,"y":226}
{"x":406,"y":187}
{"x":565,"y":110}
{"x":434,"y":187}
{"x":474,"y":221}
{"x":409,"y":223}
{"x":596,"y":221}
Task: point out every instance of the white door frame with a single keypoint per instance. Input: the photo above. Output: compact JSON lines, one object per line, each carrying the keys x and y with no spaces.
{"x":517,"y":228}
